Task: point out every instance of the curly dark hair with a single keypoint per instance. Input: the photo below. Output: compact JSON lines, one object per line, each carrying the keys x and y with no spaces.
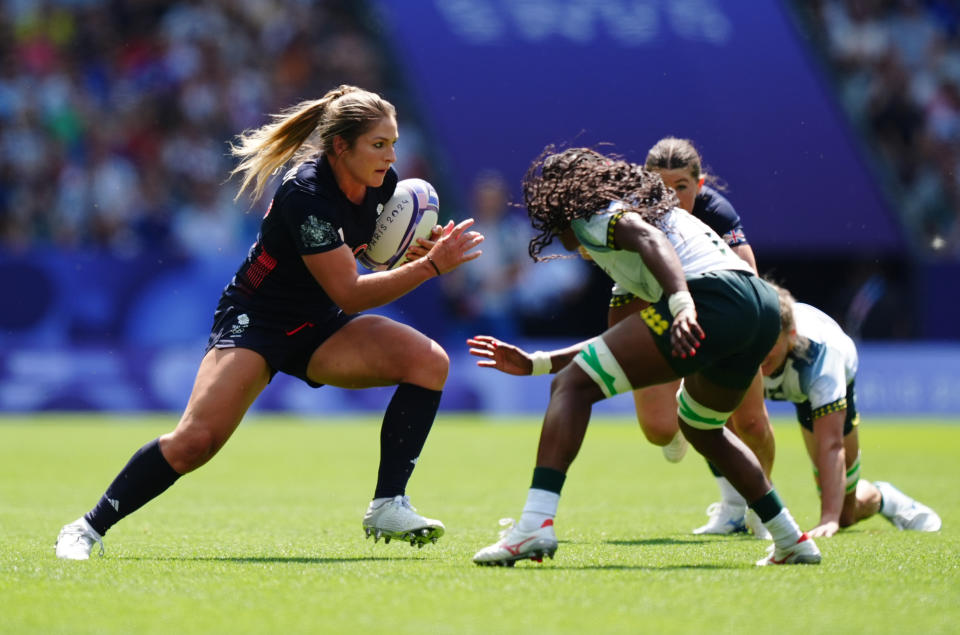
{"x":580,"y":182}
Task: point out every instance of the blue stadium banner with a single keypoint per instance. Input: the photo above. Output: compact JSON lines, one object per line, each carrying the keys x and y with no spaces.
{"x":497,"y":80}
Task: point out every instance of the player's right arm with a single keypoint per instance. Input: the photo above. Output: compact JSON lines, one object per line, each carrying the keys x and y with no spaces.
{"x":829,"y":458}
{"x":632,"y":233}
{"x":336,"y":270}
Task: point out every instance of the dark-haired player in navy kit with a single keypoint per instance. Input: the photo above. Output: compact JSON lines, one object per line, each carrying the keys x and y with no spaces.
{"x":679,"y":165}
{"x":293,"y":307}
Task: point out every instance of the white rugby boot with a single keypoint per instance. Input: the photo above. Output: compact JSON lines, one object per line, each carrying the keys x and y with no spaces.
{"x":804,"y":551}
{"x":76,"y":540}
{"x":904,"y":512}
{"x":724,"y":519}
{"x":676,"y":449}
{"x":755,"y":525}
{"x":515,"y":544}
{"x":397,"y":518}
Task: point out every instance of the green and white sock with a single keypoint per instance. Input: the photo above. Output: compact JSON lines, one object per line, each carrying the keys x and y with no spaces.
{"x":784,"y":529}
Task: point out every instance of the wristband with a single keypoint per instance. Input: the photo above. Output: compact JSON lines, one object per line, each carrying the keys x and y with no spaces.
{"x":542,"y":364}
{"x":435,"y":267}
{"x":679,"y":301}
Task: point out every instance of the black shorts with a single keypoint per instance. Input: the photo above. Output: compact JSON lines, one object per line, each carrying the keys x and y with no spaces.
{"x":740,"y":315}
{"x":806,"y":415}
{"x":286,"y":345}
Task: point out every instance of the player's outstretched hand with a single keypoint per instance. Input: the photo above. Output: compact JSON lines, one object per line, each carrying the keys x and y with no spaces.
{"x":505,"y":357}
{"x":824,"y":530}
{"x":685,"y":333}
{"x":453,"y":247}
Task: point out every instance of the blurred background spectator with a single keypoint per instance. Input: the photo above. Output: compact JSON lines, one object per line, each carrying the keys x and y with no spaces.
{"x":504,"y":292}
{"x":118,"y":229}
{"x":114,"y":116}
{"x":896,"y":64}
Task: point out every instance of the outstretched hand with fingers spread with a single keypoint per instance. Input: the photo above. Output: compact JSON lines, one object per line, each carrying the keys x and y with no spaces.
{"x":453,"y":246}
{"x":500,"y":355}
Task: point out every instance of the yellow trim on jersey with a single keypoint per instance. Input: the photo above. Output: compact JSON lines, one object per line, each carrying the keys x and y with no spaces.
{"x":836,"y":406}
{"x":621,"y":299}
{"x":611,"y":226}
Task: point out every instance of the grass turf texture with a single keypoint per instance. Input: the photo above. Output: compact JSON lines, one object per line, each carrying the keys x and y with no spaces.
{"x":267,"y":537}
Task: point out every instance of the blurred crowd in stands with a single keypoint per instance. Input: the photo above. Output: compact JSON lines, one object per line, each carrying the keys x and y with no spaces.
{"x":897,"y":65}
{"x":115,"y":119}
{"x":115,"y":116}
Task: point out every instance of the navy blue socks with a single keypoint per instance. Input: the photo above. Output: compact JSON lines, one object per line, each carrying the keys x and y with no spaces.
{"x":403,"y":434}
{"x":143,"y":478}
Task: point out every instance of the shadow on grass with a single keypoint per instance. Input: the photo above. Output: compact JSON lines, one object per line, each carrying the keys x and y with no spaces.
{"x":260,"y":559}
{"x":657,"y":541}
{"x":682,"y":541}
{"x":627,"y":567}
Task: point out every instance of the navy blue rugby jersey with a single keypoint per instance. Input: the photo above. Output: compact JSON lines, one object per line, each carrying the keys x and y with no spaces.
{"x":309,"y":214}
{"x":716,"y":211}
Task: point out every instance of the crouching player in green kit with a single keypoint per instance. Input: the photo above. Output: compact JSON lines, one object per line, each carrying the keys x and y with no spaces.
{"x":813,"y":364}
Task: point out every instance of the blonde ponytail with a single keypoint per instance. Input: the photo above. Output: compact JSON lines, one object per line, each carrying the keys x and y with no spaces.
{"x":346,"y":111}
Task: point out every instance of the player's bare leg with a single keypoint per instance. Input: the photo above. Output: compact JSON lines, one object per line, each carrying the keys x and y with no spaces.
{"x":657,"y":415}
{"x":373,"y":350}
{"x":751,"y":423}
{"x":227,"y":382}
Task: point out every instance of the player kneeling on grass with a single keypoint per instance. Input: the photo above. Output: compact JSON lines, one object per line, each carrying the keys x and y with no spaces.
{"x":711,"y":321}
{"x":813,"y":364}
{"x":294,"y":306}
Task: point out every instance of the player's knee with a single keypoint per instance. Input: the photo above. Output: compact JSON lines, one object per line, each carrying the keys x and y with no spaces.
{"x":659,"y":432}
{"x":189,"y":447}
{"x":599,"y":371}
{"x":571,"y":385}
{"x":428,"y":367}
{"x":436,"y":365}
{"x":751,"y":425}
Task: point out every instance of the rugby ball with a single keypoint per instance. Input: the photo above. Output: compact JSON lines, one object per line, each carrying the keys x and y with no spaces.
{"x":411,"y":213}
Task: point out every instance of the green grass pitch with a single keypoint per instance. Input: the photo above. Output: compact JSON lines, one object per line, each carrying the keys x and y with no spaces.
{"x":267,"y":537}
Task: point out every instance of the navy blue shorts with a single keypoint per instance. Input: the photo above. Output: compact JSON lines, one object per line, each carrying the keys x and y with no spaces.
{"x":286,"y":345}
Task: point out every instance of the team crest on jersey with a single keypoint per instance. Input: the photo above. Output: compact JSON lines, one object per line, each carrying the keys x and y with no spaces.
{"x":243,"y":321}
{"x":317,"y":233}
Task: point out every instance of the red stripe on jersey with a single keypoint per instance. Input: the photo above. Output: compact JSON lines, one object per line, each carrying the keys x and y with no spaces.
{"x":260,"y":268}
